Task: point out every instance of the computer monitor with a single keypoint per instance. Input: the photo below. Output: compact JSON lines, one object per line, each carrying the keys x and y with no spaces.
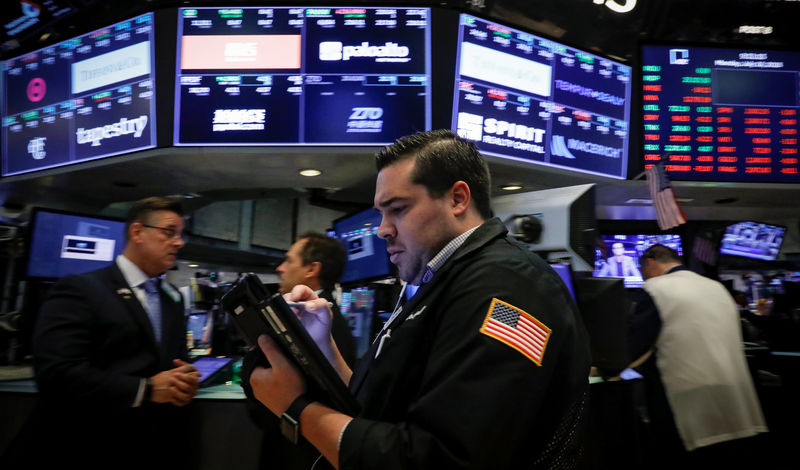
{"x":604,"y":307}
{"x":753,"y":240}
{"x":564,"y":271}
{"x":358,"y":307}
{"x":367,"y":257}
{"x":61,"y":243}
{"x":618,"y":255}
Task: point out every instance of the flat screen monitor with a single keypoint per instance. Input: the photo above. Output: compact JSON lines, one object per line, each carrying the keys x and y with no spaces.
{"x":81,"y":99}
{"x":721,"y":113}
{"x":62,"y":243}
{"x":531,"y":99}
{"x":618,"y":255}
{"x":358,"y":307}
{"x":301,"y":75}
{"x":367,"y":257}
{"x":752,"y":240}
{"x":564,"y":271}
{"x":604,"y":307}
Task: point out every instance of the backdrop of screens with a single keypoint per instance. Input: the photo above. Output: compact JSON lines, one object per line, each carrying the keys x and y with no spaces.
{"x":301,"y":76}
{"x":618,"y":255}
{"x":367,"y":257}
{"x":752,"y":240}
{"x":722,"y":114}
{"x":64,"y":243}
{"x":528,"y":98}
{"x":81,"y":99}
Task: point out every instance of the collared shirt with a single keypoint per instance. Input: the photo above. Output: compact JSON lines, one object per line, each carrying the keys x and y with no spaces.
{"x":135,"y":278}
{"x":444,"y":254}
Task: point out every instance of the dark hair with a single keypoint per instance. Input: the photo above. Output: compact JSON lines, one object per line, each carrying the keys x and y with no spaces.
{"x":329,"y":252}
{"x":662,"y":254}
{"x":140,"y":210}
{"x":442,"y":158}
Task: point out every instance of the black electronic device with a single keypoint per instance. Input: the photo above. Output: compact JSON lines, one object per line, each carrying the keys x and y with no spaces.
{"x":256,"y":312}
{"x":211,"y":368}
{"x":604,"y":306}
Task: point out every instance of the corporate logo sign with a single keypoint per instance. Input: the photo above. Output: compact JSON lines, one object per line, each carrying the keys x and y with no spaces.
{"x":124,"y":126}
{"x":365,"y":119}
{"x":501,"y":133}
{"x":335,"y":51}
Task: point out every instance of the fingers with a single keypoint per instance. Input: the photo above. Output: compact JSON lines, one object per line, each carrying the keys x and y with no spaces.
{"x":300,"y":293}
{"x":274,"y":355}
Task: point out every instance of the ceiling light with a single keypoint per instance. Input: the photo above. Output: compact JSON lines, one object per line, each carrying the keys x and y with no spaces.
{"x":193,"y":265}
{"x":310,"y":172}
{"x":511,"y":187}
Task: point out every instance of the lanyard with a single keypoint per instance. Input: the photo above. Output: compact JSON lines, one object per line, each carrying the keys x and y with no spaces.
{"x":386,"y":332}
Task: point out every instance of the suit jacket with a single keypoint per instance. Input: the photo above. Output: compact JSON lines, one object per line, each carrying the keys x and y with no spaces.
{"x":629,"y":268}
{"x":93,"y":343}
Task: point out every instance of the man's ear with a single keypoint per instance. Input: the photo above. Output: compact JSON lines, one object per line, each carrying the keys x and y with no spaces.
{"x":461,"y":197}
{"x":314,"y":269}
{"x":134,"y":231}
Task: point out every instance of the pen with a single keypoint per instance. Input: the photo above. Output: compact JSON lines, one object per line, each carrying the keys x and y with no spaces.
{"x":303,"y":304}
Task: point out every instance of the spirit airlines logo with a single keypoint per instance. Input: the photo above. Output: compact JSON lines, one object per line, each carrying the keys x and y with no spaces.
{"x":559,"y":148}
{"x":335,"y":51}
{"x":123,"y":127}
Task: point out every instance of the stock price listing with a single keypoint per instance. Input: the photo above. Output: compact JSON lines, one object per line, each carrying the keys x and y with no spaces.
{"x":720,"y":114}
{"x":301,"y":76}
{"x":531,"y":99}
{"x":81,"y":99}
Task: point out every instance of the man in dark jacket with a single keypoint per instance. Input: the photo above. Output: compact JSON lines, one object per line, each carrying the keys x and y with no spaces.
{"x":486,"y":366}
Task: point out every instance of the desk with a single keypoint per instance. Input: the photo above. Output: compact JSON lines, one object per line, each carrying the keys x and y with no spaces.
{"x":223,"y":434}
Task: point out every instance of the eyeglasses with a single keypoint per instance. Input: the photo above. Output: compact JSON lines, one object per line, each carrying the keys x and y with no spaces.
{"x":167,"y":231}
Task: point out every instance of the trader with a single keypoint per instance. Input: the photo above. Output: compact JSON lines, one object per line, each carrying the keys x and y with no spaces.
{"x":485,"y":366}
{"x":110,"y":353}
{"x":705,"y":397}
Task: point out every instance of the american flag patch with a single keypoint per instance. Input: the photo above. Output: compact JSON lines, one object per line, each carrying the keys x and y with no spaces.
{"x":516,"y":328}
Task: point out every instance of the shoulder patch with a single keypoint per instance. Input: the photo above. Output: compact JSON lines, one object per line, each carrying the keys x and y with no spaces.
{"x":516,"y":328}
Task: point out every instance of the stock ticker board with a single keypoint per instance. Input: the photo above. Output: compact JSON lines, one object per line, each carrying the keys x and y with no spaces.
{"x":722,"y":114}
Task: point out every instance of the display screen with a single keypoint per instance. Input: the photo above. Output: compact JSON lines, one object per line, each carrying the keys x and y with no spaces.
{"x":358,"y":306}
{"x":301,"y":76}
{"x":565,"y":273}
{"x":81,"y":99}
{"x":532,"y":99}
{"x":65,"y":243}
{"x":722,"y":114}
{"x":366,"y":253}
{"x":618,"y":255}
{"x":752,"y":240}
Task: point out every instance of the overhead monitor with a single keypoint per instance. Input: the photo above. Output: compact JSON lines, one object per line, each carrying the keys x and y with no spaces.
{"x":619,"y":255}
{"x":301,"y":75}
{"x":722,"y":113}
{"x":531,"y":99}
{"x":81,"y":99}
{"x":61,"y":243}
{"x":753,"y":240}
{"x":367,"y":257}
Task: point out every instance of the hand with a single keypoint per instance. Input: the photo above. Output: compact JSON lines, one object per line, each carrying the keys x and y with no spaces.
{"x":177,"y":386}
{"x":316,"y":317}
{"x":275,"y":387}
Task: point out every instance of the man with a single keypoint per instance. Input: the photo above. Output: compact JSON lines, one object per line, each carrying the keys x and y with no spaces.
{"x":110,"y":352}
{"x":318,"y":262}
{"x":620,"y":265}
{"x":695,"y":334}
{"x":486,"y":366}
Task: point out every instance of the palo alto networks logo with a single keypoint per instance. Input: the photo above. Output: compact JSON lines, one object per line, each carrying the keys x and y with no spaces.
{"x":389,"y":52}
{"x":558,"y":148}
{"x":36,"y":148}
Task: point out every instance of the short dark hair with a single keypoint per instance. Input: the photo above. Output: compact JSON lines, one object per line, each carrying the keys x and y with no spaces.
{"x":662,"y":254}
{"x":329,"y":252}
{"x":140,"y":210}
{"x":442,"y":158}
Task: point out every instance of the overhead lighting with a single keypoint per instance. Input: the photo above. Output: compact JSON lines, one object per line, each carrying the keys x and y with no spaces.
{"x":749,"y":29}
{"x":310,"y":172}
{"x":193,"y":265}
{"x":511,"y":187}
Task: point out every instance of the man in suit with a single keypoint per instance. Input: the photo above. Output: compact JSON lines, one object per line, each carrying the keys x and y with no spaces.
{"x":318,"y":262}
{"x":620,"y":265}
{"x":110,"y":354}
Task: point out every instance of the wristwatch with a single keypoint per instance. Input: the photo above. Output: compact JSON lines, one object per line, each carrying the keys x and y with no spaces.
{"x":148,"y":390}
{"x":290,"y":420}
